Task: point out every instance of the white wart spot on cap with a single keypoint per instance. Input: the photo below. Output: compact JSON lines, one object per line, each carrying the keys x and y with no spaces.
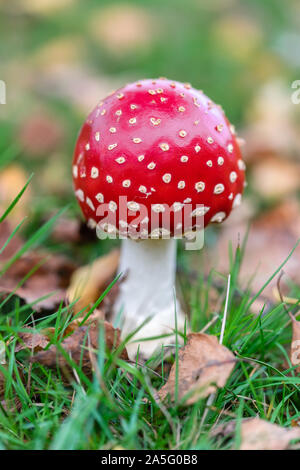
{"x":237,"y":201}
{"x":181,"y":109}
{"x":126,"y":183}
{"x":164,"y":146}
{"x":177,"y":206}
{"x":241,"y":165}
{"x":109,"y":179}
{"x":113,"y":130}
{"x":75,"y":171}
{"x":182,"y":133}
{"x":210,"y":140}
{"x":112,"y":146}
{"x":158,"y":208}
{"x":220,"y":160}
{"x":90,"y":203}
{"x":155,"y":122}
{"x":97,"y":136}
{"x":136,"y":140}
{"x":181,"y":185}
{"x":187,"y":200}
{"x":233,"y":176}
{"x":209,"y":163}
{"x":120,"y":160}
{"x":118,"y":112}
{"x":133,"y":106}
{"x":141,"y":158}
{"x":103,"y":112}
{"x":200,"y":211}
{"x":120,"y":96}
{"x":87,"y":146}
{"x":142,"y":189}
{"x":197,"y":148}
{"x":132,"y":120}
{"x":219,"y":127}
{"x":99,"y":197}
{"x":167,"y":177}
{"x":133,"y":206}
{"x":184,"y":158}
{"x":230,"y":148}
{"x":113,"y":206}
{"x":219,"y":188}
{"x":79,"y":194}
{"x":200,"y":186}
{"x":94,"y":172}
{"x":91,"y":223}
{"x":218,"y":217}
{"x":151,"y":166}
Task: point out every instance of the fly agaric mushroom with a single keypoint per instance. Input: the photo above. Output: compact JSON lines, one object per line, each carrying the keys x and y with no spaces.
{"x":159,"y":146}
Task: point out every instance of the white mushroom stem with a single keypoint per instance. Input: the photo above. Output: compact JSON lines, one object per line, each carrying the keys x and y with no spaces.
{"x":149,"y":267}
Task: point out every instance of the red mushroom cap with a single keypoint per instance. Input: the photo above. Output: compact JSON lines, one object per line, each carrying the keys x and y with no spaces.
{"x":159,"y":144}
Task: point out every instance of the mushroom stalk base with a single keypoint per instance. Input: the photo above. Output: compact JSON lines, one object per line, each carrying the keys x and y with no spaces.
{"x":149,"y":267}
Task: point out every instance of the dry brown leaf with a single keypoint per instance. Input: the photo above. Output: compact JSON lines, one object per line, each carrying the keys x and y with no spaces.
{"x":204,"y":365}
{"x":33,"y":340}
{"x":271,"y":238}
{"x":258,"y":434}
{"x":88,"y":282}
{"x":49,"y":280}
{"x":77,"y":347}
{"x":295,"y":345}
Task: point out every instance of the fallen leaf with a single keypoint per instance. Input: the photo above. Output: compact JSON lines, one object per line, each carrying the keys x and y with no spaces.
{"x":77,"y":347}
{"x":88,"y":282}
{"x":271,"y":238}
{"x":258,"y":434}
{"x":203,"y":365}
{"x":49,"y":280}
{"x":32,"y":340}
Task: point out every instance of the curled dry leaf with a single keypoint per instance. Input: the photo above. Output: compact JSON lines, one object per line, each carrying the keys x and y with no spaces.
{"x":33,"y":340}
{"x":88,"y":282}
{"x":258,"y":434}
{"x":203,"y":365}
{"x":78,"y":347}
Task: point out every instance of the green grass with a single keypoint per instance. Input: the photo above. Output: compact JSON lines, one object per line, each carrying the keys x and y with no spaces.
{"x":110,"y":409}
